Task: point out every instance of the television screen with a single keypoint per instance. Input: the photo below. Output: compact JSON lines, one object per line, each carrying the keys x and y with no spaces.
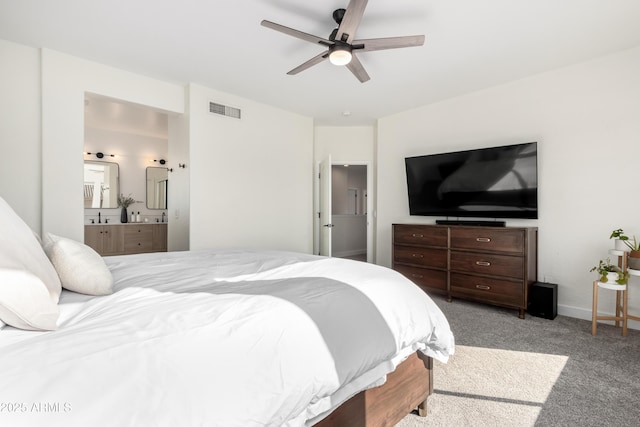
{"x":496,"y":182}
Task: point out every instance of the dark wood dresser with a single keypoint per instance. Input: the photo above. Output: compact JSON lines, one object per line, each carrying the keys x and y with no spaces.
{"x":493,"y":265}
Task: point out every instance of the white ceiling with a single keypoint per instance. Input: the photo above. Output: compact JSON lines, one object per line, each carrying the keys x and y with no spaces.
{"x":117,"y":116}
{"x":470,"y":45}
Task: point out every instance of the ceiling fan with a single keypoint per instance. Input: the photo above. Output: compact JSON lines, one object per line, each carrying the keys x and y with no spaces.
{"x":341,"y":46}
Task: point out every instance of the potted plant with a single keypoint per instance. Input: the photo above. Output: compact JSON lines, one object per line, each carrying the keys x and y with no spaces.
{"x":634,"y":254}
{"x":621,"y":239}
{"x":630,"y":245}
{"x":610,"y":273}
{"x":125,"y":202}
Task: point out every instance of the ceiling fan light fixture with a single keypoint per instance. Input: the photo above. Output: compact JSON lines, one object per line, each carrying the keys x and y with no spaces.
{"x":342,"y":41}
{"x":340,"y":56}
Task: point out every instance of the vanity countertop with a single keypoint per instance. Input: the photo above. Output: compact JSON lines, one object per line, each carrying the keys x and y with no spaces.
{"x":129,"y":223}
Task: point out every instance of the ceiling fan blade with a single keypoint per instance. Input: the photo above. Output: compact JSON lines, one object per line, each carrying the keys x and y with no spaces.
{"x":351,"y":20}
{"x":388,"y":43}
{"x":295,"y":33}
{"x":355,"y":66}
{"x":310,"y":63}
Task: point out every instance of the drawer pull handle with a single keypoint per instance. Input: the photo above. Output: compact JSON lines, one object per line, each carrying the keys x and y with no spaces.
{"x":417,"y":276}
{"x":483,"y":287}
{"x":483,"y":239}
{"x":483,"y":263}
{"x":417,"y":255}
{"x":417,"y":235}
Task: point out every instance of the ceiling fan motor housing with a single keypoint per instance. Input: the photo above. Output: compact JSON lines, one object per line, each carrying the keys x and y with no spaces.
{"x":338,"y":14}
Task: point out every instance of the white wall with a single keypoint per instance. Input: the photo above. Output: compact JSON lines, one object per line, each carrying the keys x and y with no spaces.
{"x":20,"y":150}
{"x":251,"y":178}
{"x":586,"y":121}
{"x":65,"y":79}
{"x":264,"y":200}
{"x":344,"y":143}
{"x":179,"y":185}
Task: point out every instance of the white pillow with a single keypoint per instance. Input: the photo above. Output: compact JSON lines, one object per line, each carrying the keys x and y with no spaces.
{"x":20,"y":250}
{"x":25,"y":301}
{"x":80,"y":268}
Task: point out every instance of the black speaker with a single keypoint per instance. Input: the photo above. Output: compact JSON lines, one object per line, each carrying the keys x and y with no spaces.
{"x":543,"y":300}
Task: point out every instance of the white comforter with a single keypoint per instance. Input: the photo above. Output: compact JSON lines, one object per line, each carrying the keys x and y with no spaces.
{"x":218,"y":338}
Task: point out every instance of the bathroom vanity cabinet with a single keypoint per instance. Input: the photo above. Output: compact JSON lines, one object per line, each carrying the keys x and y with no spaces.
{"x":123,"y":239}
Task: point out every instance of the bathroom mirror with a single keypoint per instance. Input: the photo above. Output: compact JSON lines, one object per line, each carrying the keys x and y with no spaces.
{"x":101,"y":185}
{"x":157,"y":181}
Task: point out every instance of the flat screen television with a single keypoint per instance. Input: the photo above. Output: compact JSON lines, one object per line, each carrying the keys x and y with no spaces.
{"x":495,"y":182}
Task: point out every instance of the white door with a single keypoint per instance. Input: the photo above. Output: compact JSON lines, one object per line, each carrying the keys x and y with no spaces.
{"x":325,"y":207}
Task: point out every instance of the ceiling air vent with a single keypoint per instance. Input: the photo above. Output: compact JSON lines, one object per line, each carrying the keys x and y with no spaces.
{"x":224,"y":110}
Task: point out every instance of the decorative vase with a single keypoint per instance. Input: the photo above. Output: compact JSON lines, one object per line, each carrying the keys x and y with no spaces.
{"x":123,"y":216}
{"x":633,"y":261}
{"x":620,"y":245}
{"x":612,"y":277}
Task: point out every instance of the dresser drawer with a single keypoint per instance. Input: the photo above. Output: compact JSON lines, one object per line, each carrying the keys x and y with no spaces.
{"x":488,"y":239}
{"x":424,"y":257}
{"x":496,"y":291}
{"x":427,"y":279}
{"x":491,"y":264}
{"x":420,"y":235}
{"x":138,"y":239}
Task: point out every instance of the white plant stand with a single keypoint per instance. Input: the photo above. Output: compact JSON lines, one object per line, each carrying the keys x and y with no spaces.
{"x":622,"y":296}
{"x":621,"y":306}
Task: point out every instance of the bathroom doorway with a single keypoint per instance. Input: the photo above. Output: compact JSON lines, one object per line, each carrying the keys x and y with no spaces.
{"x":349,"y":211}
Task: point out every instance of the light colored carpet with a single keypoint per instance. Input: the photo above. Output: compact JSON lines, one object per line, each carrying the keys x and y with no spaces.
{"x":532,"y":372}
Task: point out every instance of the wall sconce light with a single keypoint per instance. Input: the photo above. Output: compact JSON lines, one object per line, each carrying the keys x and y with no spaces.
{"x":100,"y":154}
{"x":161,"y":161}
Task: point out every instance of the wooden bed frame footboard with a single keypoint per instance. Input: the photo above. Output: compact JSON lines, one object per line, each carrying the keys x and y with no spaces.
{"x":406,"y":389}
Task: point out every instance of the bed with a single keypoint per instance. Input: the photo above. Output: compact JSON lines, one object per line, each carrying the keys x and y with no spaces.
{"x":213,"y":337}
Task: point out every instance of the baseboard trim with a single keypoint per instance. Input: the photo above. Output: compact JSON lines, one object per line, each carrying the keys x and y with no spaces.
{"x":584,"y":314}
{"x":349,"y":253}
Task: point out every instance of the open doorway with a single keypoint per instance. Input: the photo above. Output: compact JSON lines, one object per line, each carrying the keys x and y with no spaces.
{"x":146,"y":145}
{"x":347,"y":184}
{"x":349,"y":211}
